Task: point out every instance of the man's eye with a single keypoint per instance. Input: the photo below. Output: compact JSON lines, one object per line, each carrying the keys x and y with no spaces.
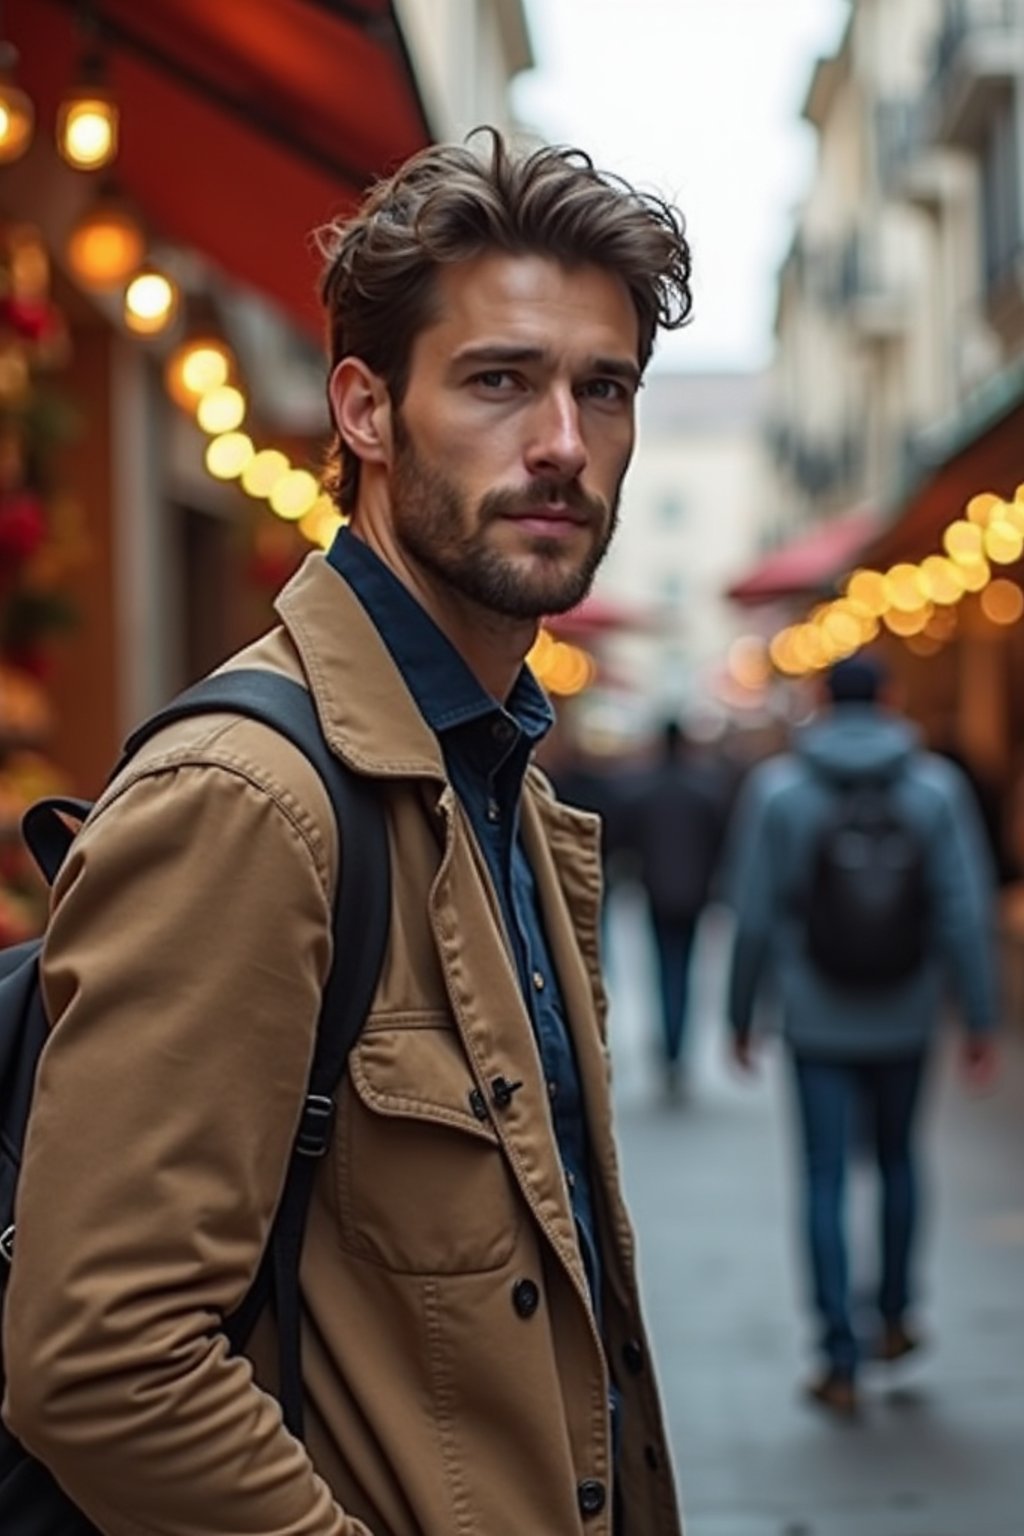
{"x":493,"y":378}
{"x":606,"y":389}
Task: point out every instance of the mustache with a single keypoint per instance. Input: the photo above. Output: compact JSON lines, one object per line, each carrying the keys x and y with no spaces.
{"x":540,"y":493}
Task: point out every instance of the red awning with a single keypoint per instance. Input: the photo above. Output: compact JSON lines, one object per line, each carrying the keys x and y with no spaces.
{"x":245,"y":124}
{"x":810,"y":563}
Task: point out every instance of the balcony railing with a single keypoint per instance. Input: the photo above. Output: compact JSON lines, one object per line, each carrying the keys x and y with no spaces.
{"x":869,"y":287}
{"x":909,"y":166}
{"x":979,"y":53}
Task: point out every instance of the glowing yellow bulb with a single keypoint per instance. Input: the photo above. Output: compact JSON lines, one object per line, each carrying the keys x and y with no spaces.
{"x":294,"y":494}
{"x":981,"y":508}
{"x":87,"y":131}
{"x":842,"y":631}
{"x":783,"y":655}
{"x":221,"y":410}
{"x":976,"y":576}
{"x":105,"y":246}
{"x":963,"y":542}
{"x":1002,"y":602}
{"x":1004,"y":543}
{"x":943,"y":581}
{"x":902,"y":621}
{"x":194,"y":368}
{"x":904,"y":588}
{"x":17,"y":120}
{"x":868,"y":588}
{"x":150,"y":301}
{"x":321,"y":522}
{"x":228,"y":455}
{"x":263,"y":471}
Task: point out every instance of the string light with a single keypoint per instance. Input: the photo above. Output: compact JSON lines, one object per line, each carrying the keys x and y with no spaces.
{"x":17,"y":114}
{"x":150,"y":302}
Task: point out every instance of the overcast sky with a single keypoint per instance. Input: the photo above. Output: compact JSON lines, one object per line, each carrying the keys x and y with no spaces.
{"x":698,"y":100}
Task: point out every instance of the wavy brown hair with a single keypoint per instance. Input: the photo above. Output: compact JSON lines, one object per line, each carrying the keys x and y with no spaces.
{"x":450,"y":203}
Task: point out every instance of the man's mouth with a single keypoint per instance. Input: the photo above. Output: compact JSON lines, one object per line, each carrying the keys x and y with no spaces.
{"x":554,"y":519}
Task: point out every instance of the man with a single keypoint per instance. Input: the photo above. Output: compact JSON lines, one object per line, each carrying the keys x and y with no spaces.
{"x":675,"y":820}
{"x":473,"y":1355}
{"x":860,"y":881}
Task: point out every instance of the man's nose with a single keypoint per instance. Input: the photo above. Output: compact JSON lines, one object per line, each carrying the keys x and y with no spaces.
{"x":556,"y":445}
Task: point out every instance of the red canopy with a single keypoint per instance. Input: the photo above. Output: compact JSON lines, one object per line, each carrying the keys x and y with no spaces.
{"x":811,"y":562}
{"x":245,"y":124}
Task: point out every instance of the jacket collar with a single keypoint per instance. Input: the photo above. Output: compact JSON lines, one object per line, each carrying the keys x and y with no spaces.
{"x":369,"y":717}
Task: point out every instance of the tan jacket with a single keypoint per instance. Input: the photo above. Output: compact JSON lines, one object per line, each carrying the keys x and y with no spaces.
{"x":190,"y":939}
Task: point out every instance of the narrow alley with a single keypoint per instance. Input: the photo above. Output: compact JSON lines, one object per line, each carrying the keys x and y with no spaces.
{"x":939,"y":1448}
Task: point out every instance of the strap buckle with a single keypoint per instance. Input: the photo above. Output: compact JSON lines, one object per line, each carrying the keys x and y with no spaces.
{"x":315,"y":1125}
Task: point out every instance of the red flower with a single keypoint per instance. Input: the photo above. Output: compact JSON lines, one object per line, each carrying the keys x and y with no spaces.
{"x":35,"y":319}
{"x":22,"y":525}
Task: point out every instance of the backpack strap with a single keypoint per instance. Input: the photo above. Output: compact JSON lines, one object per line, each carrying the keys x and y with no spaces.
{"x":362,"y":914}
{"x":46,"y":833}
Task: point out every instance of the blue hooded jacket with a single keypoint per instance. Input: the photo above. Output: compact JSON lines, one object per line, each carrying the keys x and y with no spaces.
{"x":782,"y":810}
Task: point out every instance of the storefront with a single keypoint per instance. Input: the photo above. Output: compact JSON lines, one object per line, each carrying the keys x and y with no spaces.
{"x":129,"y":561}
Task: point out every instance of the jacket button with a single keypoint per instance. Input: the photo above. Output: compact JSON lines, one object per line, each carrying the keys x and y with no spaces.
{"x":590,"y":1496}
{"x":633,"y":1357}
{"x":525,"y":1297}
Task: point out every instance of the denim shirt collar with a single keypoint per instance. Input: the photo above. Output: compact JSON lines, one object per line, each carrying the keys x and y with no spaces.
{"x":446,"y":692}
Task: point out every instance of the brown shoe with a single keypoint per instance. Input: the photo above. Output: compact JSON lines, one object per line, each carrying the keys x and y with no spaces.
{"x":895,"y":1343}
{"x":836,"y":1392}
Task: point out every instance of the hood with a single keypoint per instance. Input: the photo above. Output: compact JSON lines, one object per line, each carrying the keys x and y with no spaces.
{"x":857,"y":741}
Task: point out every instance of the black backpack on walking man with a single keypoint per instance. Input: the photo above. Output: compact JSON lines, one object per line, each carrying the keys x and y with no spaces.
{"x":31,"y":1503}
{"x":867,"y":905}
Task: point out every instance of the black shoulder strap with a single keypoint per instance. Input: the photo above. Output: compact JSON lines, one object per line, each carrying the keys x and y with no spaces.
{"x":362,"y":911}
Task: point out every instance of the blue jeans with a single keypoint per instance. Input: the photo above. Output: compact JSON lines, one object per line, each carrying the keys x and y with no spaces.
{"x":673,"y":939}
{"x":829,"y":1094}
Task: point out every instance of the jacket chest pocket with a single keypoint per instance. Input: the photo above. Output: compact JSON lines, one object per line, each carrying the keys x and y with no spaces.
{"x":421,"y":1182}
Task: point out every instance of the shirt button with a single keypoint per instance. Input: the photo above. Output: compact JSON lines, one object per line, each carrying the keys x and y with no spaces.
{"x":493,"y":811}
{"x":503,"y":731}
{"x":570,"y":1179}
{"x":538,"y":981}
{"x":590,"y":1495}
{"x":552,"y":1089}
{"x":525,"y":1297}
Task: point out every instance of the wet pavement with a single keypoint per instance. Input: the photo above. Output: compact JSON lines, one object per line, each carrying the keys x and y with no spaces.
{"x":939,"y":1447}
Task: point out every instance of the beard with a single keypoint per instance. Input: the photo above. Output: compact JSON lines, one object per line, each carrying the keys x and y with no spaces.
{"x":436,"y":527}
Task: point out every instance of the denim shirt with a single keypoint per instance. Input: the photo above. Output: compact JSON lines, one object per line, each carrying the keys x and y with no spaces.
{"x":486,"y":749}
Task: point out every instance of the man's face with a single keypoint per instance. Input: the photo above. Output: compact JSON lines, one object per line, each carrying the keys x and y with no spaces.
{"x":515,"y":432}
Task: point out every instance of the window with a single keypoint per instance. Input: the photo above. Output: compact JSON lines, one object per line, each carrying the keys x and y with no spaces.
{"x":1000,"y":197}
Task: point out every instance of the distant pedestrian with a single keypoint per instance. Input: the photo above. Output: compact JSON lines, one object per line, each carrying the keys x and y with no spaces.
{"x":861,"y":881}
{"x":674,"y":823}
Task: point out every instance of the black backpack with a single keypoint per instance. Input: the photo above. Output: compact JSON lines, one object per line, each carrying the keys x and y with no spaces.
{"x":867,"y":906}
{"x":31,"y":1503}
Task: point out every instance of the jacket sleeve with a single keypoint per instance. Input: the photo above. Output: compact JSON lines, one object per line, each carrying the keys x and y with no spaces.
{"x":182,"y":972}
{"x":964,"y":884}
{"x":748,"y":887}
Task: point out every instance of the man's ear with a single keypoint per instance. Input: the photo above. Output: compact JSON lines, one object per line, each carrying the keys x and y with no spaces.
{"x":362,"y":410}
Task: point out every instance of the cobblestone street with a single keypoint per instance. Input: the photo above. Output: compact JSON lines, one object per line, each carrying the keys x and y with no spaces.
{"x":939,"y":1450}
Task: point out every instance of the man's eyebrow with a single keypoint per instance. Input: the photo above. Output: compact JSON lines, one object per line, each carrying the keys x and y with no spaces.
{"x":494,"y":354}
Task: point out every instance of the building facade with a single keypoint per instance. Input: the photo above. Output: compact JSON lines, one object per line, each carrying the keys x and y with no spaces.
{"x":897,"y":394}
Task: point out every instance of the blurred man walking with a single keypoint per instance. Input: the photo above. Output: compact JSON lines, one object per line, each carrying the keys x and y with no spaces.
{"x":860,"y":880}
{"x":674,"y":821}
